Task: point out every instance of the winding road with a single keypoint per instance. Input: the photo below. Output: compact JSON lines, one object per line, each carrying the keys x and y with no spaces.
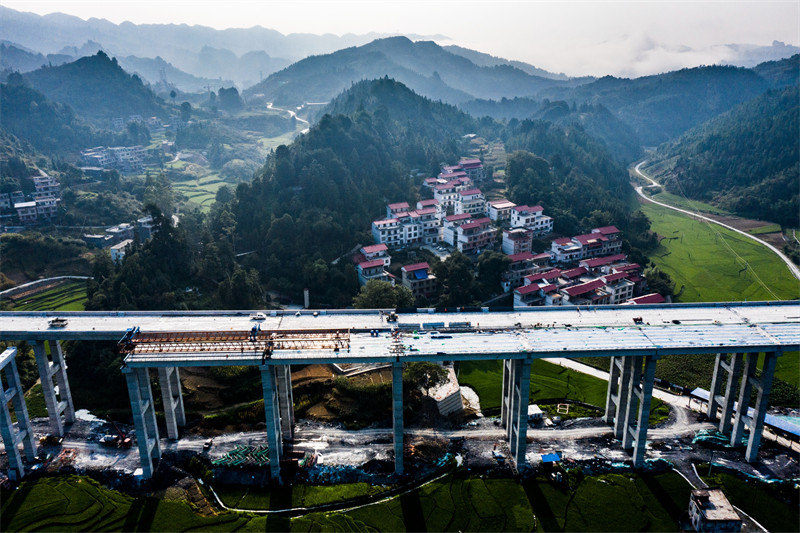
{"x":794,"y":269}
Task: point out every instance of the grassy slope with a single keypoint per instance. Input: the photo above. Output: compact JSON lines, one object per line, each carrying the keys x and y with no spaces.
{"x":616,"y":502}
{"x":297,"y":496}
{"x":548,"y":382}
{"x":69,"y":296}
{"x":700,"y":262}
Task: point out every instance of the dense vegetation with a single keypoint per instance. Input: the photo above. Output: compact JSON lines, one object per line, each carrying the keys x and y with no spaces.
{"x":96,"y":87}
{"x":663,"y":106}
{"x":424,"y":66}
{"x":745,"y":161}
{"x":594,"y":119}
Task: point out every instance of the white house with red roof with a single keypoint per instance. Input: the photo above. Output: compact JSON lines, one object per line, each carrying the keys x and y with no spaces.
{"x":434,"y":203}
{"x":619,"y":286}
{"x":516,"y":241}
{"x":392,"y":210}
{"x":600,"y":242}
{"x":376,"y":251}
{"x":473,"y":167}
{"x":475,"y":235}
{"x":532,"y":218}
{"x":470,"y":201}
{"x":522,"y":265}
{"x":500,"y":210}
{"x":447,"y":193}
{"x":368,"y":270}
{"x":450,"y":225}
{"x":419,"y":279}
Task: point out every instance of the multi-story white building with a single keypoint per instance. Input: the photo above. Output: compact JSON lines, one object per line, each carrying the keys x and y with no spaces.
{"x":470,"y":201}
{"x":475,"y":235}
{"x":368,"y":270}
{"x":124,"y":158}
{"x":46,"y":186}
{"x":500,"y":210}
{"x":46,"y":208}
{"x":450,"y":225}
{"x":522,"y":265}
{"x":517,"y":241}
{"x":603,"y":264}
{"x":447,"y":193}
{"x":619,"y":286}
{"x":5,"y":202}
{"x":473,"y":168}
{"x":376,"y":251}
{"x":600,"y":242}
{"x":407,"y":228}
{"x":26,"y":212}
{"x":393,"y":209}
{"x":710,"y":510}
{"x":434,"y":203}
{"x":118,"y":250}
{"x":532,"y":218}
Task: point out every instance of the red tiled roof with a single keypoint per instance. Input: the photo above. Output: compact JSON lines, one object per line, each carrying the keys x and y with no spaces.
{"x":452,"y":175}
{"x":398,"y":205}
{"x":524,"y":256}
{"x":590,"y":238}
{"x":607,"y":230}
{"x":543,"y":255}
{"x":550,"y":274}
{"x":462,"y":216}
{"x":464,"y":162}
{"x":476,"y":223}
{"x":416,"y":266}
{"x":371,"y":264}
{"x":426,"y":203}
{"x":653,"y":298}
{"x":384,"y":221}
{"x":574,"y":273}
{"x":526,"y":289}
{"x":425,"y":211}
{"x":431,"y":180}
{"x":616,"y":276}
{"x":635,"y":279}
{"x":547,"y":289}
{"x":469,"y":192}
{"x":451,"y":168}
{"x":584,"y":288}
{"x":600,"y":261}
{"x":563,"y":240}
{"x":373,"y":248}
{"x":528,"y":208}
{"x":628,"y":267}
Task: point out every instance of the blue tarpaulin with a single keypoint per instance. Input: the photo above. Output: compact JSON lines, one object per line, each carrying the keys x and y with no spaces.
{"x":551,"y":458}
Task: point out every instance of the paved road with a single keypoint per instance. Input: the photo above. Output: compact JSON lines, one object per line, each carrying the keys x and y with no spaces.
{"x":794,"y":269}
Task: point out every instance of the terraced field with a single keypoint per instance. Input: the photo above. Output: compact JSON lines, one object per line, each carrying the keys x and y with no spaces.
{"x":201,"y":191}
{"x":69,"y":296}
{"x":458,"y":502}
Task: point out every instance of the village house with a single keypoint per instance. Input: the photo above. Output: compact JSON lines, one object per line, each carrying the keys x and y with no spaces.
{"x":419,"y":279}
{"x":475,"y":235}
{"x":522,"y":265}
{"x":470,"y":201}
{"x":516,"y":241}
{"x":532,"y":218}
{"x":369,"y":270}
{"x":500,"y":211}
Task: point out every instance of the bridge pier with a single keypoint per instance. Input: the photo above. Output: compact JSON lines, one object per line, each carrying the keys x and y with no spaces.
{"x":144,"y":417}
{"x":57,"y":396}
{"x":273,"y":419}
{"x":9,"y":376}
{"x":397,"y":415}
{"x":733,"y":368}
{"x":506,"y":396}
{"x":763,"y":387}
{"x":518,"y":400}
{"x":285,"y":401}
{"x":172,"y":397}
{"x":628,"y":399}
{"x":744,"y":398}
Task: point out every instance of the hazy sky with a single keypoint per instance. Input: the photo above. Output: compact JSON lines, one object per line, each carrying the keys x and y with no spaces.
{"x":574,"y":37}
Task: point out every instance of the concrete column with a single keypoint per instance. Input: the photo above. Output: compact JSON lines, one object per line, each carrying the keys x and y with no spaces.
{"x":286,"y":401}
{"x":397,"y":415}
{"x":46,"y":371}
{"x":640,"y":434}
{"x":64,"y":392}
{"x":764,"y":386}
{"x":734,"y":368}
{"x":23,"y":433}
{"x":622,"y":396}
{"x":172,"y":398}
{"x":513,"y":399}
{"x":744,"y":398}
{"x":612,"y":392}
{"x":144,"y":419}
{"x":273,"y":421}
{"x":634,"y":393}
{"x":716,"y":384}
{"x":506,"y":396}
{"x":518,"y":443}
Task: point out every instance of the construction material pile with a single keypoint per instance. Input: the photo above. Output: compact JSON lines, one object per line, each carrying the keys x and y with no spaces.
{"x":245,"y":457}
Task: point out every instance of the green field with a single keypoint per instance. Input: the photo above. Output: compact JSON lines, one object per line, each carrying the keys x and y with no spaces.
{"x":297,"y":496}
{"x":774,"y":509}
{"x":70,"y":296}
{"x":685,"y":203}
{"x":618,"y":502}
{"x":201,"y":191}
{"x":699,"y":258}
{"x":548,"y":382}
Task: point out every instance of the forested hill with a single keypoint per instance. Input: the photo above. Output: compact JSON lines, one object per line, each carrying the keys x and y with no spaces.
{"x":423,"y":66}
{"x":745,"y":160}
{"x":595,"y":119}
{"x":780,"y":73}
{"x":662,"y":107}
{"x":97,"y":88}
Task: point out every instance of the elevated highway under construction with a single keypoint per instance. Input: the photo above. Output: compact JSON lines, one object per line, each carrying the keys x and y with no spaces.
{"x":632,"y":337}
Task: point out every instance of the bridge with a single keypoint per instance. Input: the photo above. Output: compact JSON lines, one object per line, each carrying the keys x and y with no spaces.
{"x":633,"y":337}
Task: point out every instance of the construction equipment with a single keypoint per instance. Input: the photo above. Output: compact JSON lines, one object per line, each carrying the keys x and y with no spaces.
{"x":121,"y":440}
{"x":58,"y":322}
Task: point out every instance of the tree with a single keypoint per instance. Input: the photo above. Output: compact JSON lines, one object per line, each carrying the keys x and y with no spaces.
{"x":424,"y":375}
{"x":378,"y":294}
{"x":491,"y":266}
{"x":455,"y":274}
{"x":186,"y":111}
{"x":659,"y":281}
